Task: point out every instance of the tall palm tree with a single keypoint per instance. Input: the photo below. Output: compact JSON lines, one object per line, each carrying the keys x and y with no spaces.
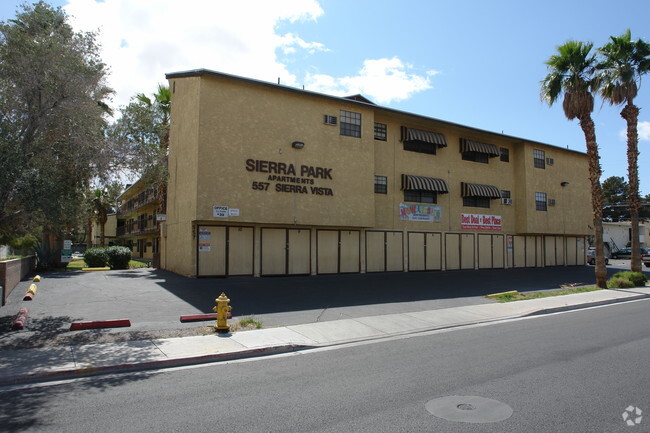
{"x":103,"y":205}
{"x":571,"y":75}
{"x":161,"y":107}
{"x":624,"y":62}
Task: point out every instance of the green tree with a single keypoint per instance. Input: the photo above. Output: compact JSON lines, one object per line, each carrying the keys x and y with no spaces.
{"x":624,"y":63}
{"x":52,"y":121}
{"x":104,"y":202}
{"x":142,"y":133}
{"x":615,"y":190}
{"x":571,"y":76}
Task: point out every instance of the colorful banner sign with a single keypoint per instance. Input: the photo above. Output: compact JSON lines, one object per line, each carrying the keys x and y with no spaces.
{"x":420,"y":212}
{"x":470,"y":221}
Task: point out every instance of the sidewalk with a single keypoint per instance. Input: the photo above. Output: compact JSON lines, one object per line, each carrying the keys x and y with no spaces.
{"x":65,"y":362}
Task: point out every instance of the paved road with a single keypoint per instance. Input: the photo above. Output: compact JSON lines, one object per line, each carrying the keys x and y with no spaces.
{"x":570,"y":372}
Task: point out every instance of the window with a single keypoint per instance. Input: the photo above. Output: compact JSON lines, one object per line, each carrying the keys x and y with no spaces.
{"x":539,"y":158}
{"x":475,"y":201}
{"x":380,"y":131}
{"x":505,"y":193}
{"x":381,"y":184}
{"x":504,"y":154}
{"x":420,"y":196}
{"x":476,"y":157}
{"x":540,"y":201}
{"x":329,"y":120}
{"x":419,"y":146}
{"x":350,"y":123}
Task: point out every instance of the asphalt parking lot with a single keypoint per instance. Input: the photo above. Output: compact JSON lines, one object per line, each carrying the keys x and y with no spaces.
{"x":155,"y":299}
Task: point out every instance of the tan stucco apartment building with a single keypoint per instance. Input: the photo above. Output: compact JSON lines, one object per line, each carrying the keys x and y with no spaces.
{"x":267,"y":179}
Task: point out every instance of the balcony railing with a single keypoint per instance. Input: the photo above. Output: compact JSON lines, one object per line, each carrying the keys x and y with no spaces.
{"x":142,"y":199}
{"x":137,"y":228}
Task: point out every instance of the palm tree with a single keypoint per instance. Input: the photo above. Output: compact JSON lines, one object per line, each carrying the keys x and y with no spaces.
{"x":621,"y":69}
{"x":571,"y":74}
{"x":103,"y":205}
{"x":161,"y":107}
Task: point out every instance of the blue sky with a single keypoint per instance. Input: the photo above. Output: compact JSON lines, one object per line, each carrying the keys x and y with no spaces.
{"x":475,"y":63}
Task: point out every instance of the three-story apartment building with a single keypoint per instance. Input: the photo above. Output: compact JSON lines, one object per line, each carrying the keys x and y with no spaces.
{"x":267,"y":179}
{"x":136,"y":220}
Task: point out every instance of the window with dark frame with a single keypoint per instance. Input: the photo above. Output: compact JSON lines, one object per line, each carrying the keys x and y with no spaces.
{"x":539,"y":158}
{"x":504,"y":154}
{"x":420,"y":196}
{"x":476,"y":157}
{"x":350,"y":123}
{"x":381,"y":185}
{"x":540,"y":201}
{"x":475,"y":201}
{"x":381,"y":131}
{"x":505,"y":193}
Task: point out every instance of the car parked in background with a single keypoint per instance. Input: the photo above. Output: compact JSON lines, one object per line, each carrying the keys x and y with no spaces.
{"x":623,"y":253}
{"x":626,"y":253}
{"x":591,"y":257}
{"x":645,"y":257}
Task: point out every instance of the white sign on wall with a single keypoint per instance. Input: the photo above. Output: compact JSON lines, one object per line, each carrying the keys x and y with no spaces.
{"x":233,"y":211}
{"x":220,"y":211}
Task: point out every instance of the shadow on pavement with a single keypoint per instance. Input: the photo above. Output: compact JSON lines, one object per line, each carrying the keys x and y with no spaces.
{"x":296,"y":293}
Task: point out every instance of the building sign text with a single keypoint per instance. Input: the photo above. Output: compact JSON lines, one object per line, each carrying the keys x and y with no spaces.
{"x":480,"y":222}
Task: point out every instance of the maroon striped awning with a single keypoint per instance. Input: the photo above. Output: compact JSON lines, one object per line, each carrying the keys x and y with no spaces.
{"x":419,"y":135}
{"x":478,"y":190}
{"x":467,"y":145}
{"x":422,"y":183}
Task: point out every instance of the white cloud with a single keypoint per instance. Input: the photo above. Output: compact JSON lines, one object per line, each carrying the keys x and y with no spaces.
{"x":289,"y":41}
{"x":644,"y":131}
{"x":143,"y":40}
{"x":381,"y":80}
{"x":643,"y":128}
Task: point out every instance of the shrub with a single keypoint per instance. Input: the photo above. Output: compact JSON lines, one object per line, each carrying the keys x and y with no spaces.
{"x":619,"y":283}
{"x":118,"y":257}
{"x":638,"y":279}
{"x":25,"y":243}
{"x":96,"y":257}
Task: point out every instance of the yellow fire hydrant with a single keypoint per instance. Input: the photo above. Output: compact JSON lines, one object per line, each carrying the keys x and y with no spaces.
{"x":222,"y":309}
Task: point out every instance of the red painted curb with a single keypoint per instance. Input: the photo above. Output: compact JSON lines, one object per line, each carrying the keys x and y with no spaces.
{"x":201,"y":317}
{"x":116,"y":323}
{"x":21,"y":318}
{"x":28,"y":296}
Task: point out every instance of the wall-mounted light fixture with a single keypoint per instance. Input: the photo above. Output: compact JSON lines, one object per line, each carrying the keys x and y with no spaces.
{"x":297,"y":144}
{"x":564,"y":183}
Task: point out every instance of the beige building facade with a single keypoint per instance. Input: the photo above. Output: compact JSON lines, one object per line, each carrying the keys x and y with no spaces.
{"x":267,"y":179}
{"x":137,"y":226}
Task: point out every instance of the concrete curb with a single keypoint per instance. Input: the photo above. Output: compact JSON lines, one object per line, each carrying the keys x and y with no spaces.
{"x":77,"y":373}
{"x":586,"y":305}
{"x":98,"y":324}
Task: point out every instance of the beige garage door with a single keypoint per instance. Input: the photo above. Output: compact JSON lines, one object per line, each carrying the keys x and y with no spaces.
{"x":211,"y":251}
{"x":549,"y":251}
{"x":433,"y":251}
{"x":349,"y":252}
{"x":375,"y":252}
{"x":394,"y":251}
{"x":328,"y":251}
{"x":299,"y":253}
{"x":240,"y":251}
{"x":417,"y":251}
{"x":571,"y":251}
{"x":452,"y":251}
{"x":274,"y":251}
{"x":467,"y":251}
{"x":519,"y":251}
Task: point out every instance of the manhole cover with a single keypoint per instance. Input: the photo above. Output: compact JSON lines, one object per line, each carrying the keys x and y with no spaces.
{"x":471,"y":409}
